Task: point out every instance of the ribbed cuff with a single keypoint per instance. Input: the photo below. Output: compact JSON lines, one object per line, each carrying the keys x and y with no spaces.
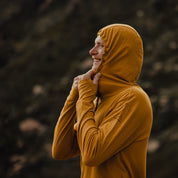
{"x":73,"y":96}
{"x":87,"y":90}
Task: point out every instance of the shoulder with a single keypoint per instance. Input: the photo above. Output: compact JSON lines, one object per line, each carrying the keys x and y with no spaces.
{"x":139,"y":100}
{"x":139,"y":95}
{"x":134,"y":102}
{"x":133,"y":95}
{"x":136,"y":92}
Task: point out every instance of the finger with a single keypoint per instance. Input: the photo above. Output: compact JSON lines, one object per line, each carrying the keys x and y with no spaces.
{"x":76,"y":82}
{"x":77,"y":79}
{"x":88,"y":74}
{"x":75,"y":85}
{"x":96,"y":78}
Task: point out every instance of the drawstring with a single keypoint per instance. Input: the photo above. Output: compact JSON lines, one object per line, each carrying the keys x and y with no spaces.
{"x":98,"y":97}
{"x":97,"y":101}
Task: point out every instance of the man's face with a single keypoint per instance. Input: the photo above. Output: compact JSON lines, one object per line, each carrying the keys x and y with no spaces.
{"x":97,"y":52}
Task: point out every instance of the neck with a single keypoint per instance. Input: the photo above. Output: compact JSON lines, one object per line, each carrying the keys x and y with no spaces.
{"x":109,"y":87}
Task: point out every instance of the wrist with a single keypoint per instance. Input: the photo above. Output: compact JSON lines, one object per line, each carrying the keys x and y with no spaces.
{"x":73,"y":94}
{"x":87,"y":90}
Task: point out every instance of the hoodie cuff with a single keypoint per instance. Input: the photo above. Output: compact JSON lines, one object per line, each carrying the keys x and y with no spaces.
{"x":87,"y":90}
{"x":73,"y":96}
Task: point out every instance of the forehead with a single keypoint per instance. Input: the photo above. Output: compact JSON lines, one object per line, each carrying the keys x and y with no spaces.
{"x":98,"y":40}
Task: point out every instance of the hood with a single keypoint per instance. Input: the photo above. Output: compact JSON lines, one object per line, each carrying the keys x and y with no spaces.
{"x":122,"y":61}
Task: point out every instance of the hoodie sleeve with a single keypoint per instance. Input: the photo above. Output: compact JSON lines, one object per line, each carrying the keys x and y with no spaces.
{"x":65,"y":143}
{"x":124,"y":124}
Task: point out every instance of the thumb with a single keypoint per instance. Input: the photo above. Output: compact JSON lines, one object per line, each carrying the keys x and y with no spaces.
{"x":96,"y":78}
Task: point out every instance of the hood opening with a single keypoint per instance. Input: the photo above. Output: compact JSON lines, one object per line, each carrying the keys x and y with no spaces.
{"x":122,"y":61}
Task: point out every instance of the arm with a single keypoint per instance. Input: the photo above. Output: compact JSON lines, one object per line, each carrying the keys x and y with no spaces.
{"x":125,"y":124}
{"x":65,"y":143}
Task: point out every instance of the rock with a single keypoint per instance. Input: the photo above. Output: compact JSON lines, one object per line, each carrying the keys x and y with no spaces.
{"x":30,"y":125}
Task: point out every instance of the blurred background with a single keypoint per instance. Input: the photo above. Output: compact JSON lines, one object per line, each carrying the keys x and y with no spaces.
{"x":44,"y":44}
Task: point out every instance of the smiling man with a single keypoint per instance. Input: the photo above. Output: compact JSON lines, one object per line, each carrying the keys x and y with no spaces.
{"x":111,"y":136}
{"x":97,"y":52}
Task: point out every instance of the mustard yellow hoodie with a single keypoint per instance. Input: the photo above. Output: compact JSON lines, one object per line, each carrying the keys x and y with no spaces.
{"x":111,"y":141}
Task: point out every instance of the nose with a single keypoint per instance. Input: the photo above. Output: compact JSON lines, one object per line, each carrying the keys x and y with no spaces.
{"x":93,"y":51}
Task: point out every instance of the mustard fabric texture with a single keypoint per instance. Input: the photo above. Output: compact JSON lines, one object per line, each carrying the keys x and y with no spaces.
{"x":111,"y":141}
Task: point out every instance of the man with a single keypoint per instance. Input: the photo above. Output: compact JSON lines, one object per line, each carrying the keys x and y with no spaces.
{"x":111,"y":136}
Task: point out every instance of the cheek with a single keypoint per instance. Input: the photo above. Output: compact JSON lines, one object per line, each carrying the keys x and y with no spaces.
{"x":101,"y":51}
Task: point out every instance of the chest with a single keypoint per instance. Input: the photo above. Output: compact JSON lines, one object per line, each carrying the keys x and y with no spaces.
{"x":102,"y":111}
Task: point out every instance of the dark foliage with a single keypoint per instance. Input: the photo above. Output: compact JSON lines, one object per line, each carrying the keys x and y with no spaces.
{"x":44,"y":45}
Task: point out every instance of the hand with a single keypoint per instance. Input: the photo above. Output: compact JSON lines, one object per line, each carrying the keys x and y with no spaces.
{"x":87,"y":75}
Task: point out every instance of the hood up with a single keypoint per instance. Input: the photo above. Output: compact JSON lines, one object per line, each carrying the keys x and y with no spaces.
{"x":122,"y":60}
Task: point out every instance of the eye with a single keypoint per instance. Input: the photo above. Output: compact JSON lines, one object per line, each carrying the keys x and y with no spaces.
{"x":101,"y":45}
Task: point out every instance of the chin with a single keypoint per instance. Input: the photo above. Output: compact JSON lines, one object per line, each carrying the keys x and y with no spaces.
{"x":94,"y":68}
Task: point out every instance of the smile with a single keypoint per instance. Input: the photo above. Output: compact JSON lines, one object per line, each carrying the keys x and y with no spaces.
{"x":97,"y":60}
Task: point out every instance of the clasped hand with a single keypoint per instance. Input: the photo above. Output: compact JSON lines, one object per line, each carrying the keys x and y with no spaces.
{"x":87,"y":75}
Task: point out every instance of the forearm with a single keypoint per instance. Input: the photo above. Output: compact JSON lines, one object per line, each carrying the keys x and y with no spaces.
{"x":65,"y":142}
{"x":87,"y":129}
